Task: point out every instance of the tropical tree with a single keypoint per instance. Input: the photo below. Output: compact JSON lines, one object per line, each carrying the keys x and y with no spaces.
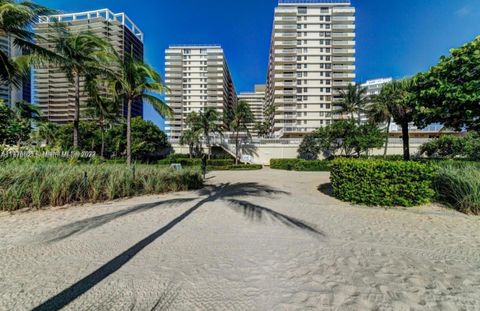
{"x":207,"y":122}
{"x":23,"y":118}
{"x":262,"y":128}
{"x":82,"y":56}
{"x":16,"y":21}
{"x":137,"y":82}
{"x":191,"y":138}
{"x":378,"y":112}
{"x":449,"y":93}
{"x":46,"y":131}
{"x":401,"y":107}
{"x":242,"y":116}
{"x":101,"y":107}
{"x":353,"y":101}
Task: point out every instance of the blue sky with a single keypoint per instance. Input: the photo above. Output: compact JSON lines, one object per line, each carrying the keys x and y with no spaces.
{"x":394,"y":38}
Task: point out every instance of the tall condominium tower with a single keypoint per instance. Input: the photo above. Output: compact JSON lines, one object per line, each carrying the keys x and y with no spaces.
{"x":312,"y":57}
{"x":256,"y":101}
{"x":10,"y":94}
{"x":53,"y":92}
{"x":198,"y":78}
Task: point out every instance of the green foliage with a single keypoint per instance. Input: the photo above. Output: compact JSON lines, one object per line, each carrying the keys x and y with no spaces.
{"x":312,"y":166}
{"x":300,"y":165}
{"x":186,"y":161}
{"x":382,"y":183}
{"x":37,"y":185}
{"x":148,"y":141}
{"x":459,"y":187}
{"x":353,"y":101}
{"x":344,"y":136}
{"x":309,"y":147}
{"x":450,"y":146}
{"x":283,"y":164}
{"x":449,"y":92}
{"x":236,"y":167}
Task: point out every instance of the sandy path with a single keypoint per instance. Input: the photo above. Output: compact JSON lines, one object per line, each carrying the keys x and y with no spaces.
{"x":265,"y":240}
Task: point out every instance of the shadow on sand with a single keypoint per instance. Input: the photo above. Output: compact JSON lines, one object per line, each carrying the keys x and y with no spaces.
{"x":211,"y":193}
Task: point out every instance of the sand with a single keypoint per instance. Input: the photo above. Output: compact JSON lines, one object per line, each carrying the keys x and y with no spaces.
{"x":262,"y":240}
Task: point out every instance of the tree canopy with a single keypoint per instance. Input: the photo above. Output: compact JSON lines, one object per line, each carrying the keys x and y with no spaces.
{"x":449,"y":92}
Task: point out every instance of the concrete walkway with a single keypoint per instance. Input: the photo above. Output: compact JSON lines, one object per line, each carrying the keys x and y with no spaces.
{"x":261,"y":240}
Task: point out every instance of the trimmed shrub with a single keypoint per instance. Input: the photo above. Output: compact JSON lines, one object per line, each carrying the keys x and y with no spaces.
{"x":238,"y":167}
{"x":283,"y":164}
{"x":37,"y":185}
{"x":382,"y":183}
{"x":312,"y":166}
{"x":300,"y":165}
{"x":458,"y":186}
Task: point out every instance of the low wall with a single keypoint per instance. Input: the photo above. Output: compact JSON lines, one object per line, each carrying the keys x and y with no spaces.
{"x":262,"y":153}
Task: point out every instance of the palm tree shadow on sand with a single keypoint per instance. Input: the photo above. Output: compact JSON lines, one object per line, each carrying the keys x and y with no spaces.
{"x":211,"y":193}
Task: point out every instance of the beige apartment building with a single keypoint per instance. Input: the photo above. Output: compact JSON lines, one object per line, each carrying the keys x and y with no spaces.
{"x":256,"y":101}
{"x":312,"y":57}
{"x":198,"y":78}
{"x":53,"y":92}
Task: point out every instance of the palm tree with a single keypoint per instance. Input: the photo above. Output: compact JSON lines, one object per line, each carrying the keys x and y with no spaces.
{"x":47,"y":131}
{"x":241,"y":117}
{"x":81,"y":56}
{"x":25,"y":114}
{"x":262,"y":129}
{"x":378,"y":113}
{"x":16,"y":21}
{"x":191,"y":138}
{"x":103,"y":108}
{"x":136,"y":82}
{"x":398,"y":100}
{"x":206,"y":122}
{"x":353,"y":101}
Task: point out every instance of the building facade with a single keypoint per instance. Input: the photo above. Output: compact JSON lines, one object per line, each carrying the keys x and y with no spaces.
{"x":256,"y":101}
{"x":312,"y":57}
{"x":198,"y":78}
{"x":9,"y":93}
{"x":54,"y":94}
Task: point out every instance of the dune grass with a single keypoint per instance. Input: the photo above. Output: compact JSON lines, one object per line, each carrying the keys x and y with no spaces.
{"x":56,"y":184}
{"x":458,"y":186}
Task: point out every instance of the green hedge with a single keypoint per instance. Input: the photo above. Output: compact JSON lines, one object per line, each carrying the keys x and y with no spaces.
{"x":300,"y":165}
{"x":195,"y":162}
{"x":239,"y":167}
{"x":382,"y":183}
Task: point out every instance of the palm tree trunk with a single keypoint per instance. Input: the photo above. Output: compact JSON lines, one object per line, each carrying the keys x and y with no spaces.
{"x":76,"y":118}
{"x":406,"y":142}
{"x":236,"y":148}
{"x":386,"y":139}
{"x":129,"y":132}
{"x":209,"y":147}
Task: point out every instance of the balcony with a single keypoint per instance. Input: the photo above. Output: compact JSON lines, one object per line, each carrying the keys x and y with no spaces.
{"x":343,"y":27}
{"x":344,"y":51}
{"x":347,"y":11}
{"x":337,"y":43}
{"x":343,"y":75}
{"x":343,"y":60}
{"x":342,"y":35}
{"x":344,"y":67}
{"x":348,"y":19}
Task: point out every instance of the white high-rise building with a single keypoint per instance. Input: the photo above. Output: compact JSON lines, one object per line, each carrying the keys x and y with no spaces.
{"x":312,"y":57}
{"x":198,"y":78}
{"x":375,"y":86}
{"x":256,"y":101}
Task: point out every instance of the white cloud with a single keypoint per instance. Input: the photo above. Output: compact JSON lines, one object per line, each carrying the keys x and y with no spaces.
{"x":464,"y":11}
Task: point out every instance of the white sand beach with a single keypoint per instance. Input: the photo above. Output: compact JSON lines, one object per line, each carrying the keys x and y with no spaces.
{"x":261,"y":240}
